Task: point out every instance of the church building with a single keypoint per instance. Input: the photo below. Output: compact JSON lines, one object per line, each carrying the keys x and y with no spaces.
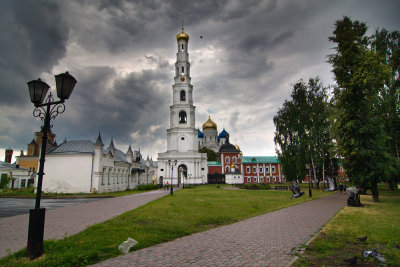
{"x":210,"y":138}
{"x":82,"y":166}
{"x":182,"y":163}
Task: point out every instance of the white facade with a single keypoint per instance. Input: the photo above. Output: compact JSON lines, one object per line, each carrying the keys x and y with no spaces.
{"x":21,"y":177}
{"x":182,"y":163}
{"x":82,"y":166}
{"x":234,"y":178}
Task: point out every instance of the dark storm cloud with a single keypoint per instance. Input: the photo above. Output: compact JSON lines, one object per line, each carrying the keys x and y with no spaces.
{"x":121,"y":53}
{"x":116,"y":105}
{"x":33,"y":40}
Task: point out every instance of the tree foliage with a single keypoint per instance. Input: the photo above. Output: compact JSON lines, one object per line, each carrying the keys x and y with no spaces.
{"x":5,"y":181}
{"x":361,"y":76}
{"x":387,"y":46}
{"x":302,"y":131}
{"x":211,"y":155}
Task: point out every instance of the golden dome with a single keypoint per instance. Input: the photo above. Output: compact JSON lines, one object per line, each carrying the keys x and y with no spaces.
{"x":237,"y":147}
{"x":182,"y":35}
{"x":209,"y":124}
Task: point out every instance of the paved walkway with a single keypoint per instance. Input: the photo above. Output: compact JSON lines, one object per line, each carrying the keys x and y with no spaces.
{"x":265,"y":240}
{"x":70,"y":220}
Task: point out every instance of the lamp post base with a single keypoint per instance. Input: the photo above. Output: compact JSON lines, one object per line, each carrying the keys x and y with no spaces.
{"x":35,"y":233}
{"x":309,"y":193}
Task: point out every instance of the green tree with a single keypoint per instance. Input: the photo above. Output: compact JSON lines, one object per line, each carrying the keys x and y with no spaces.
{"x":359,"y":129}
{"x":5,"y":181}
{"x":211,"y":155}
{"x":302,"y":131}
{"x":387,"y":46}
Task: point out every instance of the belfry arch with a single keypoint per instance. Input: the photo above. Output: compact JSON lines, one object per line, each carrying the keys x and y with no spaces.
{"x":182,"y":173}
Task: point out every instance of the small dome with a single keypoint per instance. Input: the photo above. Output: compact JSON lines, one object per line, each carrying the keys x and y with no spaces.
{"x":209,"y":124}
{"x":182,"y":36}
{"x":237,"y":147}
{"x":228,"y":147}
{"x":200,"y":134}
{"x":223,"y":134}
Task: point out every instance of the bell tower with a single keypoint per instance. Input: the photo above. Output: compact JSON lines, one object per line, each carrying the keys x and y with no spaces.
{"x":182,"y":163}
{"x":182,"y":135}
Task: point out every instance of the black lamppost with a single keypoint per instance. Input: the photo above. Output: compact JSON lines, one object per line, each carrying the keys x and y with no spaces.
{"x":308,"y":167}
{"x":172,"y":173}
{"x":45,"y":111}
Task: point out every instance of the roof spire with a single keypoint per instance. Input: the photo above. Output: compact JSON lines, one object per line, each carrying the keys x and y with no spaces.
{"x":111,"y":146}
{"x":182,"y":25}
{"x":129,"y":150}
{"x":99,"y":141}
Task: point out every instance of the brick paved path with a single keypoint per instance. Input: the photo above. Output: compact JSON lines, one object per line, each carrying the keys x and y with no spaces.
{"x":265,"y":240}
{"x":70,"y":220}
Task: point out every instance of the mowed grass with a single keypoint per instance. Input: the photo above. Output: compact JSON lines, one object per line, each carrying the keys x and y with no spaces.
{"x":188,"y":211}
{"x":380,"y":222}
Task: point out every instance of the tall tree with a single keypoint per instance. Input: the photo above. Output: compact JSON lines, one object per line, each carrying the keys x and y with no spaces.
{"x":359,"y":129}
{"x":387,"y":46}
{"x":302,"y":130}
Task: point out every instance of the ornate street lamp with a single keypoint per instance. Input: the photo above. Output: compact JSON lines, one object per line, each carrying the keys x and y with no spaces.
{"x":172,"y":173}
{"x":45,"y":111}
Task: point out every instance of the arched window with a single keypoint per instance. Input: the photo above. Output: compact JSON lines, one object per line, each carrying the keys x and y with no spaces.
{"x":227,"y":169}
{"x":227,"y":160}
{"x":182,"y":117}
{"x":182,"y":47}
{"x":183,"y":95}
{"x":183,"y":70}
{"x":234,"y":160}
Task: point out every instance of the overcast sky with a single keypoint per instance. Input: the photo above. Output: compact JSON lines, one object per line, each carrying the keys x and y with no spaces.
{"x":123,"y":53}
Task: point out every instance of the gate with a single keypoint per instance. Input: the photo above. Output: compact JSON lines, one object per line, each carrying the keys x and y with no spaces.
{"x":216,"y":178}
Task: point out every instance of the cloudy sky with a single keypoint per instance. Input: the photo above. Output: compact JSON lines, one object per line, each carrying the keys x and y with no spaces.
{"x":123,"y":53}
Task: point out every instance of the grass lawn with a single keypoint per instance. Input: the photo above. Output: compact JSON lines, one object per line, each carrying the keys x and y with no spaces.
{"x":29,"y":193}
{"x":188,"y":211}
{"x":338,"y":239}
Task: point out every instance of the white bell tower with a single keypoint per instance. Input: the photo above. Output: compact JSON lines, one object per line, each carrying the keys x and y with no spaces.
{"x":182,"y":163}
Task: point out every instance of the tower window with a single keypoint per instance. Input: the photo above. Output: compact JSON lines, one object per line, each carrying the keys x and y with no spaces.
{"x":227,"y":160}
{"x":183,"y":95}
{"x":182,"y":117}
{"x":182,"y":47}
{"x":183,"y":70}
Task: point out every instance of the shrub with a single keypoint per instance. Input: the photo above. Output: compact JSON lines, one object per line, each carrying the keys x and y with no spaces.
{"x":145,"y":187}
{"x":255,"y":186}
{"x":5,"y":181}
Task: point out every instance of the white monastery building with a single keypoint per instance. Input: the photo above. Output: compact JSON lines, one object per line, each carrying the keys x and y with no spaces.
{"x":182,"y":163}
{"x":81,"y":166}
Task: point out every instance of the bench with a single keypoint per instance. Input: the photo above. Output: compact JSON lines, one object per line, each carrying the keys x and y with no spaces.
{"x":281,"y":187}
{"x":354,"y":200}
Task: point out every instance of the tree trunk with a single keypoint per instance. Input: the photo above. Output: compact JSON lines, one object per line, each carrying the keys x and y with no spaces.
{"x":323,"y":172}
{"x":374,"y":192}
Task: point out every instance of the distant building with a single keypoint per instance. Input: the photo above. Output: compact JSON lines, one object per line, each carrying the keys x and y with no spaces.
{"x":31,"y":159}
{"x":81,"y":166}
{"x":21,"y":177}
{"x":209,"y":137}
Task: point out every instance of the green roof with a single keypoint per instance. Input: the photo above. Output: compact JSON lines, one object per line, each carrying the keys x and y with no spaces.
{"x":213,"y":163}
{"x":260,"y":159}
